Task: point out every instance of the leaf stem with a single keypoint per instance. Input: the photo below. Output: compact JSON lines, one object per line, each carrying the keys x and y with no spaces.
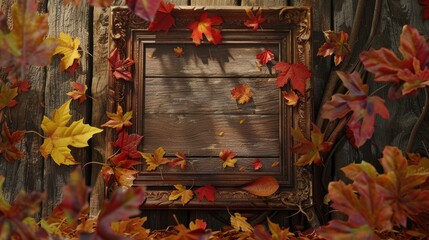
{"x":38,"y":134}
{"x":419,"y":122}
{"x":97,"y":163}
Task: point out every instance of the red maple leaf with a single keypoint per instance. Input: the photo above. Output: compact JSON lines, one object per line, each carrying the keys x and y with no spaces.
{"x":128,"y":145}
{"x":73,"y":67}
{"x":254,"y":21}
{"x":257,"y":164}
{"x":204,"y":26}
{"x":265,"y":56}
{"x":425,"y":4}
{"x":297,"y":73}
{"x":207,"y":191}
{"x":336,"y":43}
{"x":119,"y":66}
{"x":22,"y":86}
{"x":163,"y":18}
{"x":408,"y":74}
{"x":7,"y":144}
{"x":364,"y":107}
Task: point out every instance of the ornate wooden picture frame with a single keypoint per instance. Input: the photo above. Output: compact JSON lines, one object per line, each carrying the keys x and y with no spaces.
{"x":179,"y":103}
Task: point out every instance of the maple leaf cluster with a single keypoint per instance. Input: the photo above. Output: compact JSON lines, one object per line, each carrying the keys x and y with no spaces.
{"x":336,"y":43}
{"x":378,"y":202}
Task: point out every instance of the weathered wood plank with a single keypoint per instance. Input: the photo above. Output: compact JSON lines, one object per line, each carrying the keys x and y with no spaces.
{"x":198,"y":135}
{"x":214,"y":2}
{"x":264,"y":3}
{"x":208,"y":95}
{"x":206,"y":60}
{"x":74,"y":21}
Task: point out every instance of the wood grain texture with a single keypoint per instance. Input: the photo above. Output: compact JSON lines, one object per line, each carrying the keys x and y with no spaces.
{"x":209,"y":95}
{"x":214,"y":2}
{"x":72,"y":20}
{"x":264,"y":3}
{"x":206,"y":60}
{"x":198,"y":134}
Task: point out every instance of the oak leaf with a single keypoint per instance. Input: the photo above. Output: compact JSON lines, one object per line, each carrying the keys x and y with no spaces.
{"x":79,"y":91}
{"x":242,"y":93}
{"x":180,"y":160}
{"x":204,"y":26}
{"x":227,"y":156}
{"x":120,"y":67}
{"x":364,"y":107}
{"x":257,"y":164}
{"x":291,"y":98}
{"x":7,"y":96}
{"x":309,"y":149}
{"x":25,"y":44}
{"x":263,"y":186}
{"x":296,"y":73}
{"x":408,"y":74}
{"x":181,"y":192}
{"x":60,"y":136}
{"x":8,"y":143}
{"x":154,"y":161}
{"x":145,"y":9}
{"x":336,"y":43}
{"x":198,"y":224}
{"x":240,"y":223}
{"x":68,"y":48}
{"x":119,"y":120}
{"x":265,"y":56}
{"x":163,"y":18}
{"x":254,"y":21}
{"x":207,"y":191}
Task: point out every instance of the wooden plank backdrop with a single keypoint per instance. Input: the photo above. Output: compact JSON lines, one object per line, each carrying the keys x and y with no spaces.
{"x":49,"y":86}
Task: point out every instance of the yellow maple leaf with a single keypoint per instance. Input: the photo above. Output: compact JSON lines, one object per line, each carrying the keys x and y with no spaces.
{"x":153,"y":161}
{"x":227,"y":156}
{"x":60,"y":136}
{"x":238,"y":222}
{"x":119,"y":119}
{"x":67,"y":47}
{"x":185,"y":194}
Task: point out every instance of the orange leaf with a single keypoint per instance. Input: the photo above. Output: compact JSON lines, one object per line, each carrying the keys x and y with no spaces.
{"x":119,"y":119}
{"x":119,"y":67}
{"x":265,"y":56}
{"x":178,"y":51}
{"x":179,"y":161}
{"x":154,"y":161}
{"x":79,"y":91}
{"x":242,"y":93}
{"x":336,"y":43}
{"x":163,"y":18}
{"x":7,"y":144}
{"x":227,"y":156}
{"x":264,"y":186}
{"x":204,"y":26}
{"x":291,"y":98}
{"x":131,"y":228}
{"x":254,"y":21}
{"x":199,"y":224}
{"x":186,"y":195}
{"x":297,"y":73}
{"x":207,"y":191}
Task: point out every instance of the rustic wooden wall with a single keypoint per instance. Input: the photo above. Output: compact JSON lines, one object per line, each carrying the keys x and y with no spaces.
{"x":49,"y":86}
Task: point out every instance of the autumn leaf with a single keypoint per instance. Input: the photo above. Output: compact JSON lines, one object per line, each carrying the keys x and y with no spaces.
{"x":179,"y":161}
{"x":240,"y":223}
{"x":204,"y":26}
{"x":183,"y":233}
{"x":254,"y":21}
{"x":186,"y":195}
{"x":336,"y":43}
{"x":128,"y":145}
{"x":242,"y":93}
{"x":291,"y":98}
{"x":100,"y":3}
{"x":296,"y":73}
{"x":79,"y":91}
{"x":309,"y":150}
{"x":25,"y":44}
{"x":363,"y":107}
{"x":119,"y":67}
{"x":256,"y":165}
{"x":123,"y":170}
{"x":265,"y":56}
{"x":263,"y":187}
{"x":154,"y":161}
{"x":178,"y":51}
{"x":8,"y":143}
{"x":22,"y":86}
{"x":119,"y":120}
{"x":123,"y":204}
{"x":408,"y":74}
{"x":227,"y":156}
{"x":207,"y":191}
{"x":7,"y":96}
{"x":131,"y":228}
{"x":198,"y":224}
{"x":163,"y":18}
{"x":145,"y":9}
{"x":425,"y":4}
{"x":68,"y":48}
{"x":60,"y":136}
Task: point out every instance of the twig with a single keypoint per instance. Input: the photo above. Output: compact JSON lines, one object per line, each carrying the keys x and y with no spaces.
{"x":38,"y":134}
{"x":97,"y":163}
{"x":419,"y":122}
